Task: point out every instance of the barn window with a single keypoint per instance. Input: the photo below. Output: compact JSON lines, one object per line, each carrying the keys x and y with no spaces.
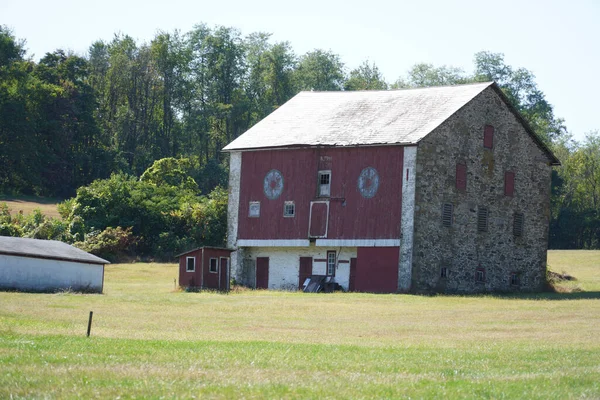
{"x":447,"y":214}
{"x":509,"y":183}
{"x":289,"y":209}
{"x":331,"y":263}
{"x":480,"y":275}
{"x":515,"y":279}
{"x":488,"y":136}
{"x":254,"y":209}
{"x":518,"y":222}
{"x":443,"y":272}
{"x":213,"y":266}
{"x":324,"y":183}
{"x":482,"y":219}
{"x":190,"y":264}
{"x":461,"y":177}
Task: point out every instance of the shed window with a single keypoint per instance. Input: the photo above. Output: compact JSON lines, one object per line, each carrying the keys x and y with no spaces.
{"x":461,"y":177}
{"x":509,"y":183}
{"x":447,"y":214}
{"x":324,"y":183}
{"x":515,"y":279}
{"x":482,"y":219}
{"x":254,"y":209}
{"x":331,"y":263}
{"x":480,"y":275}
{"x":212,"y":267}
{"x":518,"y":222}
{"x":190,"y":264}
{"x":488,"y":137}
{"x":289,"y":209}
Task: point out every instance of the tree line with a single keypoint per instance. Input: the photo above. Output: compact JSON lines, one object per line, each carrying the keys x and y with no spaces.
{"x":69,"y":121}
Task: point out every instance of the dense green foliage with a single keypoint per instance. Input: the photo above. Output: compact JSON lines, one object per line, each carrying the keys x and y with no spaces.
{"x":68,"y":120}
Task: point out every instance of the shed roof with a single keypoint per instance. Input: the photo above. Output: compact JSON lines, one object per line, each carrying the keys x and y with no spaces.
{"x":50,"y":249}
{"x":205,"y":247}
{"x":358,"y":117}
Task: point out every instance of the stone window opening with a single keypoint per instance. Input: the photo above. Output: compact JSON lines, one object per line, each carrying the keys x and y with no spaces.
{"x":444,"y":272}
{"x":488,"y":137}
{"x":461,"y":176}
{"x":518,"y":224}
{"x":509,"y":183}
{"x":447,"y":211}
{"x":480,"y":275}
{"x":515,"y":279}
{"x":482,"y":219}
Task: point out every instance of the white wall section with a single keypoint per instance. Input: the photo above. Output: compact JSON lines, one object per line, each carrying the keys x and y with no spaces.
{"x":409,"y":175}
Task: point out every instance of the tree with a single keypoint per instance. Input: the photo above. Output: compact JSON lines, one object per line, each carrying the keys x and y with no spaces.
{"x":366,"y":77}
{"x":320,"y":70}
{"x":425,"y":75}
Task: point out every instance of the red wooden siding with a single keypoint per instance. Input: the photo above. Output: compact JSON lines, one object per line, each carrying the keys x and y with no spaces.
{"x":262,"y":272}
{"x":377,"y":269}
{"x":488,"y":137}
{"x":509,"y":183}
{"x":319,"y":212}
{"x":190,"y":279}
{"x":351,"y":216}
{"x":306,"y":264}
{"x":461,"y":176}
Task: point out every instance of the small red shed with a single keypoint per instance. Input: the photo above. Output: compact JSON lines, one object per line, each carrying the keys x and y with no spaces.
{"x":205,"y":268}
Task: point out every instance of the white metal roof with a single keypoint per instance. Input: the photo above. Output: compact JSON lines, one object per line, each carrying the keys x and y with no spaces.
{"x":357,"y":118}
{"x":51,"y":249}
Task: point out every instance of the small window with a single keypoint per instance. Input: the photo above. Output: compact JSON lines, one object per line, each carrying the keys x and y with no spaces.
{"x":331,"y":261}
{"x":254,"y":209}
{"x":488,"y":137}
{"x":515,"y":279}
{"x":324,"y":183}
{"x":461,"y":177}
{"x":482,"y":219}
{"x":509,"y":183}
{"x":213,"y":266}
{"x":480,"y":275}
{"x":443,"y":272}
{"x":518,"y":222}
{"x":447,"y":214}
{"x":190,"y":264}
{"x":289,"y":209}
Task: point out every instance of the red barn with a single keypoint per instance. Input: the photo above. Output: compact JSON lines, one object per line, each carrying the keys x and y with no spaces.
{"x":205,"y":268}
{"x":385,"y":191}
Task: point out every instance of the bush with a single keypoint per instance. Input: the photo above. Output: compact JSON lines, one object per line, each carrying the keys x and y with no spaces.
{"x":112,"y":244}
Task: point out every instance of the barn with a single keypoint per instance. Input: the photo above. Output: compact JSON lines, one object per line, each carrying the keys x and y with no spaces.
{"x":443,"y":189}
{"x":205,"y":268}
{"x":48,"y":266}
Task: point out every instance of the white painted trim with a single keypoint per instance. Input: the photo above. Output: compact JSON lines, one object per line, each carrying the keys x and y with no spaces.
{"x":186,"y":264}
{"x":358,"y":242}
{"x":273,"y":243}
{"x":408,"y":217}
{"x":326,"y":217}
{"x":233,"y":206}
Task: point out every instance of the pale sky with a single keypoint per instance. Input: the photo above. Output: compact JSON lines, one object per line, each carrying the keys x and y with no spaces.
{"x":559,"y":41}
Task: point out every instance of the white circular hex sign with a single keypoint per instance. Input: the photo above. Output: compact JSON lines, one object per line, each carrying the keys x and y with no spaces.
{"x":273,"y":184}
{"x":368,"y":182}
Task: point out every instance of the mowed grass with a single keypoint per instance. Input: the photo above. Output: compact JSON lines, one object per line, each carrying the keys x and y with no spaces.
{"x":150,"y":341}
{"x":27,"y":204}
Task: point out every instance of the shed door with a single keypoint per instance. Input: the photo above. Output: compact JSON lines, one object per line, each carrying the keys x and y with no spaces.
{"x":352,"y":280}
{"x":262,"y":272}
{"x":305,"y":270}
{"x":319,"y":214}
{"x":224,"y":273}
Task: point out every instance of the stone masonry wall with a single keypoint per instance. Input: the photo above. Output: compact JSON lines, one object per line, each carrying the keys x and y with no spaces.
{"x":461,"y":248}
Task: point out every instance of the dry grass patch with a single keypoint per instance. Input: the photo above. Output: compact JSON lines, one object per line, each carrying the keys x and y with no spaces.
{"x":27,"y":204}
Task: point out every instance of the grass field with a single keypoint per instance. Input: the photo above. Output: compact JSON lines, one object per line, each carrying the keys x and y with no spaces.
{"x":29,"y":203}
{"x":150,"y":341}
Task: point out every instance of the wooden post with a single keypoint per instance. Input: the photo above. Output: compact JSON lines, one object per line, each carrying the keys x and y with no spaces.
{"x":90,"y":324}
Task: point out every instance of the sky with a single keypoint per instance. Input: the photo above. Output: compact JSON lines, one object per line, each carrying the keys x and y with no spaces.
{"x":557,"y":40}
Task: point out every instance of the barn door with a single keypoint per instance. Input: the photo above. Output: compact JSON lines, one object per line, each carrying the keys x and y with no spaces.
{"x":262,"y":272}
{"x":224,"y":273}
{"x":352,"y":279}
{"x":305,"y":270}
{"x":319,"y":215}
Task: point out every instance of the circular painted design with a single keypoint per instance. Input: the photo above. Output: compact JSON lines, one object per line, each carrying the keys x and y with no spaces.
{"x":273,"y":184}
{"x":368,"y":182}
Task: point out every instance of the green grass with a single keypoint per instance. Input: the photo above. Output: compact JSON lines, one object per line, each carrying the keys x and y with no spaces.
{"x":27,"y":204}
{"x":150,"y":341}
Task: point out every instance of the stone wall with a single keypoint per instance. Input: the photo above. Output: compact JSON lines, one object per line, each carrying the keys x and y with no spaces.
{"x":461,"y":248}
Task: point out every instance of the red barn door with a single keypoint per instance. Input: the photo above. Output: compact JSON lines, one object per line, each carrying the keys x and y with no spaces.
{"x":319,"y":213}
{"x":262,"y":272}
{"x":352,"y":280}
{"x":224,"y":274}
{"x":305,"y":270}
